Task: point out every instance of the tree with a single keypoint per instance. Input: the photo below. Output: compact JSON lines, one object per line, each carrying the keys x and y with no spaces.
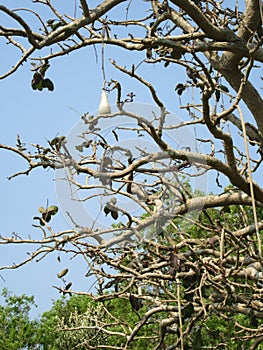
{"x":172,"y":249}
{"x":81,"y":323}
{"x":17,"y":330}
{"x":80,"y":314}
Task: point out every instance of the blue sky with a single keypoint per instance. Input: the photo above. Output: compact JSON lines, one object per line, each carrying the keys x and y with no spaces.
{"x":40,"y":116}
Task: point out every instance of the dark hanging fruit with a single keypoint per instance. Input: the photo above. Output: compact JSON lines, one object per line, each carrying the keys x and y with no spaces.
{"x":136,"y":303}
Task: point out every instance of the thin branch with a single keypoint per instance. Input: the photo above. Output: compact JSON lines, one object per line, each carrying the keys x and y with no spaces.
{"x":85,"y":8}
{"x":132,"y":74}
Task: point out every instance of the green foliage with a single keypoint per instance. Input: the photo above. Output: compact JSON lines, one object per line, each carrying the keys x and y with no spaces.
{"x":219,"y":331}
{"x":79,"y":322}
{"x":39,"y":82}
{"x":121,"y":309}
{"x":76,"y":312}
{"x":92,"y":325}
{"x":46,"y":214}
{"x":17,"y":331}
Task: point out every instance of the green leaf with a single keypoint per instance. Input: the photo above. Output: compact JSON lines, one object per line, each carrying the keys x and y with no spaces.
{"x":57,"y":142}
{"x":42,"y":210}
{"x":114,"y":214}
{"x":36,"y":82}
{"x":54,"y":141}
{"x":37,"y":86}
{"x":46,"y":217}
{"x":47,"y":83}
{"x":52,"y":210}
{"x":106,"y":210}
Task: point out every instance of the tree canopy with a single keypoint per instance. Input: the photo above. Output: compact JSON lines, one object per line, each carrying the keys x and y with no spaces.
{"x":18,"y":330}
{"x":129,"y":178}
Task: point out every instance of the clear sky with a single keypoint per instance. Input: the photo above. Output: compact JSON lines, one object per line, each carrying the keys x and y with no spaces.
{"x":40,"y":116}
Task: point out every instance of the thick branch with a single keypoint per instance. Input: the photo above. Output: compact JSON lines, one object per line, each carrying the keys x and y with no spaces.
{"x":212,"y":31}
